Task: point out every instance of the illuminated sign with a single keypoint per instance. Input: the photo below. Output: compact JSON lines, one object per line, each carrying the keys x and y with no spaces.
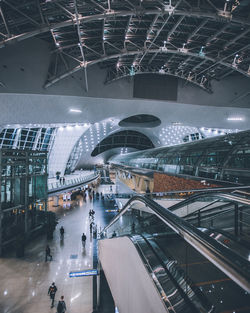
{"x":93,"y":272}
{"x":114,"y":210}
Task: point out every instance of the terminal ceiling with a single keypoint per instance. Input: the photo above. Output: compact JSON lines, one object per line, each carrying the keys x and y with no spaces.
{"x":197,"y":40}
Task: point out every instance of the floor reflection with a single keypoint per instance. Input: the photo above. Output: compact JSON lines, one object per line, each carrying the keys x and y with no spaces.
{"x":25,"y":281}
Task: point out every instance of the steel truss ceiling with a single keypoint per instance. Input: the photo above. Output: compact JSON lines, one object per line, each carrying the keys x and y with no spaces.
{"x":197,"y":40}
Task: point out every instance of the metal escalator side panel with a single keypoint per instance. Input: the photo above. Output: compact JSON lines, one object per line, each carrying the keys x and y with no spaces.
{"x":166,"y":289}
{"x":198,"y":300}
{"x":133,"y":290}
{"x":235,"y":267}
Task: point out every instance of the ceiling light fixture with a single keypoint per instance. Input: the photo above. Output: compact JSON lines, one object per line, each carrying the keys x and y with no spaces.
{"x":75,"y":110}
{"x":235,"y":118}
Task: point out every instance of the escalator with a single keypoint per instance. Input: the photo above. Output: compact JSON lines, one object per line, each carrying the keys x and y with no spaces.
{"x":226,"y":214}
{"x":191,"y":270}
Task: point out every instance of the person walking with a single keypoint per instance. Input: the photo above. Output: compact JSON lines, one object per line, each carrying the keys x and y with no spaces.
{"x":91,"y":226}
{"x":94,"y":230}
{"x":84,"y":240}
{"x":61,"y":307}
{"x":90,"y":214}
{"x":47,"y":253}
{"x":52,"y":292}
{"x":61,"y":232}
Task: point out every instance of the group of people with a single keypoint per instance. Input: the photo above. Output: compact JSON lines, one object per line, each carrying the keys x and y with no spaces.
{"x":91,"y":214}
{"x":62,"y":180}
{"x":92,"y":224}
{"x":61,"y":306}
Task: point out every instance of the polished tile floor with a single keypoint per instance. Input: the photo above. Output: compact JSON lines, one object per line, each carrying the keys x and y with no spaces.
{"x":24,"y":282}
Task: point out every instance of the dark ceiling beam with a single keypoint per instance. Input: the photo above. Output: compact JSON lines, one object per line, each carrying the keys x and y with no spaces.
{"x":20,"y":12}
{"x":214,"y":36}
{"x":57,"y":44}
{"x":159,"y":30}
{"x":70,"y":14}
{"x":128,"y":27}
{"x":212,"y":5}
{"x":2,"y":84}
{"x":98,"y":5}
{"x":151,"y":27}
{"x":85,"y":19}
{"x":170,"y":59}
{"x":5,"y":23}
{"x":130,"y":3}
{"x":92,"y":50}
{"x":148,"y":34}
{"x":221,"y":61}
{"x":103,"y":41}
{"x":175,"y":27}
{"x":186,"y":62}
{"x":199,"y":64}
{"x":226,"y":74}
{"x":155,"y":37}
{"x":153,"y":57}
{"x":116,"y":48}
{"x":123,"y":74}
{"x":197,"y":29}
{"x":151,"y":51}
{"x":40,"y":11}
{"x":80,"y":44}
{"x":230,"y":42}
{"x":70,"y":56}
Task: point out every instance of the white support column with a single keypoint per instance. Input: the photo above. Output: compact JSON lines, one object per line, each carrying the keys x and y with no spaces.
{"x":38,"y":135}
{"x":15,"y":145}
{"x":56,"y":201}
{"x":64,"y":142}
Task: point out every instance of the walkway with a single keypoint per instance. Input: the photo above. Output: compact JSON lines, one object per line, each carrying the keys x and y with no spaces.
{"x":69,"y":179}
{"x":25,"y":281}
{"x":120,"y":187}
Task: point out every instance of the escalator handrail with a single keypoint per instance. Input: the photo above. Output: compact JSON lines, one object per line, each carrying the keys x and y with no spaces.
{"x":233,"y":265}
{"x":224,"y":196}
{"x":221,"y":208}
{"x":203,"y":301}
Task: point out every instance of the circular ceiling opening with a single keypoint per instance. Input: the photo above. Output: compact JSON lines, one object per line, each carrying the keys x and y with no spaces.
{"x":123,"y":139}
{"x":140,"y":120}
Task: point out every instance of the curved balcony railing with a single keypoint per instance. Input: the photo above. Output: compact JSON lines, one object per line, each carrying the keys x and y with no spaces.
{"x":71,"y":182}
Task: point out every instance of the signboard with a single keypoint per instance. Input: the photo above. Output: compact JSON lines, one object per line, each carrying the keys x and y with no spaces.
{"x":92,"y":272}
{"x":113,"y":210}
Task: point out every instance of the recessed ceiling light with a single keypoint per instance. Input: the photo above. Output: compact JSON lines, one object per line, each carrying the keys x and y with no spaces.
{"x":235,"y":118}
{"x":75,"y":110}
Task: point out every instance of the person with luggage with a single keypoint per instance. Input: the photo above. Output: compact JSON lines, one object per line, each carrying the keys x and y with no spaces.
{"x":52,"y":292}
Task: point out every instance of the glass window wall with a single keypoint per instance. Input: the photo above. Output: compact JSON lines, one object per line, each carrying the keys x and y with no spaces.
{"x":218,"y":158}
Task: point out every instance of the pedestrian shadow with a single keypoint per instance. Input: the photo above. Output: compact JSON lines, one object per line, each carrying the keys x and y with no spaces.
{"x":61,"y":242}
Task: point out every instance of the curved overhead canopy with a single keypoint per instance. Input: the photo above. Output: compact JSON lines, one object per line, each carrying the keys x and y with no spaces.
{"x":140,"y":120}
{"x":195,"y":40}
{"x":125,"y":138}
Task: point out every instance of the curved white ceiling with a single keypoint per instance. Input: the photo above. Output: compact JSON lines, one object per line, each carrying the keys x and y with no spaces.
{"x":46,"y":109}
